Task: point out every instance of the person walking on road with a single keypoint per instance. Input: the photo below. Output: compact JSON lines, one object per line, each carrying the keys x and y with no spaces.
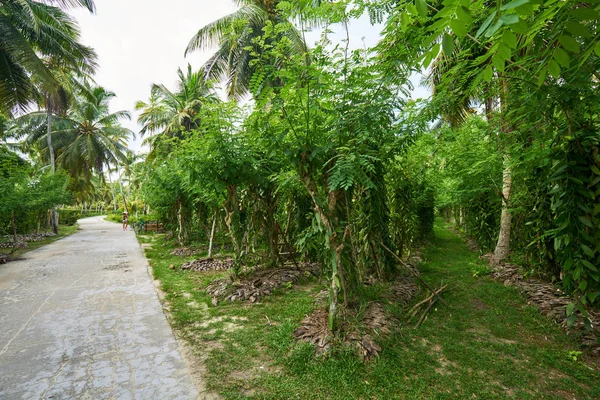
{"x":125,"y":220}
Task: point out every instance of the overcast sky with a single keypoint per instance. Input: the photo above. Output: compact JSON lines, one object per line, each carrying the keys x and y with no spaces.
{"x":140,"y":42}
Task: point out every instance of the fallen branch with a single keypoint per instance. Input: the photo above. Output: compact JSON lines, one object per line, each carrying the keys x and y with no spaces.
{"x":414,"y":309}
{"x":425,"y":313}
{"x":415,"y":275}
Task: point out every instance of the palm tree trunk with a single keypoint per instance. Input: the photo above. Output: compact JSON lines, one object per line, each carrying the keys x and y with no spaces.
{"x":49,"y":140}
{"x":112,"y":191}
{"x":53,"y":211}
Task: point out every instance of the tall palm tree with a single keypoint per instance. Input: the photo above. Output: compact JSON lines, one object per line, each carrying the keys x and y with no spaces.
{"x":31,"y":32}
{"x":88,"y":138}
{"x":171,"y":114}
{"x":234,"y":35}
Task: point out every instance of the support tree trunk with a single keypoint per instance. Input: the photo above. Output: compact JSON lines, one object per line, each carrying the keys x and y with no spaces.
{"x":212,"y":235}
{"x":503,"y":245}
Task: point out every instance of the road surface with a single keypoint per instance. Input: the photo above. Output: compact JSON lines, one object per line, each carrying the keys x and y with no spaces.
{"x":81,"y":319}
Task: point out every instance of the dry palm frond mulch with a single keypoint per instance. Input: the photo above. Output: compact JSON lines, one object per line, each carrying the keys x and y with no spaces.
{"x":260,"y":284}
{"x":551,"y":301}
{"x":375,"y":324}
{"x":404,"y":289}
{"x":183,"y":251}
{"x":22,"y":240}
{"x":208,"y":264}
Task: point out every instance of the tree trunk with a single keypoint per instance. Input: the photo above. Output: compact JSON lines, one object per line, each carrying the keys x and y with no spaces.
{"x":55,"y":219}
{"x":49,"y":140}
{"x":231,"y":207}
{"x":503,"y":245}
{"x":14,"y":228}
{"x":54,"y":212}
{"x":328,"y":219}
{"x":212,"y":235}
{"x":112,"y":191}
{"x":180,"y":235}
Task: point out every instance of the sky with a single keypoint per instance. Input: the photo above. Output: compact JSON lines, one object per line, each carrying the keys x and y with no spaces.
{"x":141,"y":42}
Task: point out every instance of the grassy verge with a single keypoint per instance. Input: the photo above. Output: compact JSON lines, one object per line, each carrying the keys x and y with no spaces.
{"x":487,"y":344}
{"x":63,"y":231}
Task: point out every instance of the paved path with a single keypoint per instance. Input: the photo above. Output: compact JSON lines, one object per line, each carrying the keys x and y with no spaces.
{"x":80,"y":319}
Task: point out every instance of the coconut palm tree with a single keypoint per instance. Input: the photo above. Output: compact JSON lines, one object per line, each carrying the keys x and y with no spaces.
{"x":88,"y":138}
{"x":234,"y":35}
{"x":171,"y":114}
{"x":30,"y":33}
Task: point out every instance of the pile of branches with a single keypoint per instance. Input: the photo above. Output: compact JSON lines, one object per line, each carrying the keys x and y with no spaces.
{"x":183,"y":251}
{"x":426,"y":305}
{"x":260,"y":284}
{"x":551,"y":302}
{"x":208,"y":264}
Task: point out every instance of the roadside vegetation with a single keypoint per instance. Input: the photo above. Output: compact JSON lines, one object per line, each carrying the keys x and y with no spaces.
{"x":487,"y":343}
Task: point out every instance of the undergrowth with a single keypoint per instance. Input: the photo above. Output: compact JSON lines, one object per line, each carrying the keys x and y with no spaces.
{"x":488,"y":343}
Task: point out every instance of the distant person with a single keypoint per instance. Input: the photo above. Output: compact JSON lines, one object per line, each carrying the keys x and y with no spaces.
{"x":125,"y":220}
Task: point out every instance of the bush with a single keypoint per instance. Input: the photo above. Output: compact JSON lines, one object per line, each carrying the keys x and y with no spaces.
{"x":68,"y":217}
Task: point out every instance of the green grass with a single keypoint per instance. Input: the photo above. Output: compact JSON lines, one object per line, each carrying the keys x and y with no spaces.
{"x":488,"y":343}
{"x":63,"y":231}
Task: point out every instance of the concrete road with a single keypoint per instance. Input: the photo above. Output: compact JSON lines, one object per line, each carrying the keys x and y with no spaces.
{"x":81,"y":319}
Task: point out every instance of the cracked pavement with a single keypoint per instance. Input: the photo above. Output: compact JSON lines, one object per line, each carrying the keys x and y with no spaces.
{"x":81,"y":319}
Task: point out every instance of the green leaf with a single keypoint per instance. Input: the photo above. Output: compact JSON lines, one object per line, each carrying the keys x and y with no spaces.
{"x":520,"y":27}
{"x":554,"y":69}
{"x":577,"y":273}
{"x":586,"y":222}
{"x":488,"y":73}
{"x":597,"y":49}
{"x":448,"y":44}
{"x":510,"y":39}
{"x":589,"y":265}
{"x":569,"y":43}
{"x":570,"y":309}
{"x":587,"y":250}
{"x":585,"y":14}
{"x":421,"y":7}
{"x":486,"y":24}
{"x":404,"y":21}
{"x":509,"y":19}
{"x":514,"y":4}
{"x":562,"y":57}
{"x":504,"y":51}
{"x":595,"y":169}
{"x":498,"y":62}
{"x":464,"y":14}
{"x":542,"y":76}
{"x":578,"y":29}
{"x":458,"y":27}
{"x":525,"y":9}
